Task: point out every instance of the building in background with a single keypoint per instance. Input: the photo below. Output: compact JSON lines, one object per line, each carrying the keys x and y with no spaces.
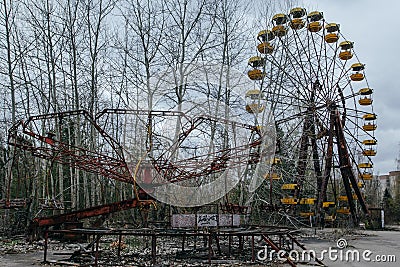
{"x":391,"y":182}
{"x":383,"y":181}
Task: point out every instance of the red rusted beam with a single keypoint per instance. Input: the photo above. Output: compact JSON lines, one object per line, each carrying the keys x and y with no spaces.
{"x":112,"y":166}
{"x":14,"y":203}
{"x":278,"y":249}
{"x":89,"y":212}
{"x":304,"y":248}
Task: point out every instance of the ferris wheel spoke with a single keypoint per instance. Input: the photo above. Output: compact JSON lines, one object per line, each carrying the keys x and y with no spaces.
{"x":318,"y":52}
{"x":356,"y":125}
{"x":291,"y":117}
{"x":302,"y":50}
{"x":296,"y":59}
{"x":281,"y":69}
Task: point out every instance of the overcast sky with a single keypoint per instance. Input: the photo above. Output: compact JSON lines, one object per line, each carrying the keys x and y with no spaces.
{"x":374,"y":27}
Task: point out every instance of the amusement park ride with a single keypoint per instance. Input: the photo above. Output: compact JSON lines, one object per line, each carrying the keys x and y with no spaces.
{"x":114,"y":163}
{"x":305,"y":74}
{"x":322,"y":108}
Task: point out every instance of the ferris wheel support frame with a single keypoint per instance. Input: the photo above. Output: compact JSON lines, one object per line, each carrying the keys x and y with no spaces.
{"x":316,"y":160}
{"x":302,"y":161}
{"x":347,"y":172}
{"x":321,"y":196}
{"x":308,"y":134}
{"x":349,"y":180}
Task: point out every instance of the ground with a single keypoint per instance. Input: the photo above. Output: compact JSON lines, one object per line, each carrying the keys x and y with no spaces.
{"x":377,"y":242}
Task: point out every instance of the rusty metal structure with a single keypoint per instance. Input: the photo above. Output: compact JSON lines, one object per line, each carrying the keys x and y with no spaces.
{"x":324,"y":152}
{"x":34,"y":135}
{"x":260,"y":242}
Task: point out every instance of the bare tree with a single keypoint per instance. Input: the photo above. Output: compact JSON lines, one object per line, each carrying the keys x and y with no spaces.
{"x":7,"y":19}
{"x":145,"y":22}
{"x":95,"y":20}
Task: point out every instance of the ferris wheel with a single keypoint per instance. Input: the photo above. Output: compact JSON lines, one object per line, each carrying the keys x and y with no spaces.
{"x":315,"y":85}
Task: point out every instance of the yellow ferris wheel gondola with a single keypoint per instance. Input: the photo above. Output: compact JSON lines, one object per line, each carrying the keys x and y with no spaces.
{"x":273,"y":176}
{"x":365,"y":165}
{"x":369,"y":116}
{"x":256,"y":62}
{"x":357,"y":75}
{"x":297,"y":24}
{"x":370,"y":142}
{"x":343,"y":210}
{"x":280,"y":21}
{"x":290,"y":186}
{"x":332,"y":27}
{"x":298,"y":12}
{"x":365,"y":101}
{"x":332,"y":35}
{"x":265,"y":36}
{"x":279,"y":30}
{"x":369,"y":124}
{"x":314,"y":17}
{"x":314,"y":26}
{"x":307,"y":201}
{"x":346,"y":47}
{"x":297,"y":15}
{"x":365,"y":91}
{"x":360,"y":184}
{"x":369,"y":152}
{"x":265,"y":48}
{"x":254,"y":102}
{"x":365,"y":176}
{"x":368,"y":127}
{"x":275,"y":161}
{"x":289,"y":201}
{"x":256,"y":74}
{"x":328,"y":204}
